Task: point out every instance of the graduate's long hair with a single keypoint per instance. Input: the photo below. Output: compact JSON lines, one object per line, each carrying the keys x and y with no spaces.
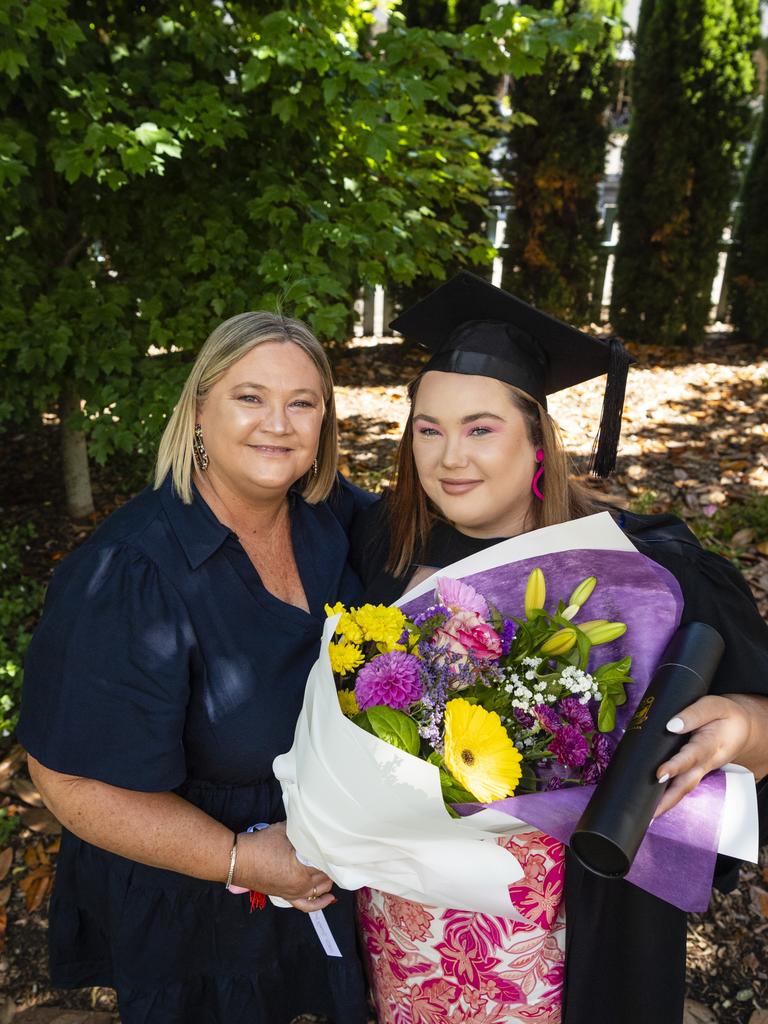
{"x":228,"y":343}
{"x":411,"y":515}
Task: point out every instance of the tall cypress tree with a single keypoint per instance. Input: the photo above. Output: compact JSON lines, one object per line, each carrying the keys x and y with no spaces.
{"x":554,"y":168}
{"x":748,"y":277}
{"x":692,"y":79}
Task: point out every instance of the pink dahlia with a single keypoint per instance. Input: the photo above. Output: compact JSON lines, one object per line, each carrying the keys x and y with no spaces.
{"x":391,"y":679}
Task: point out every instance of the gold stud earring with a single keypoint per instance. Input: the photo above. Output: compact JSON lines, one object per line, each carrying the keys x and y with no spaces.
{"x":198,"y":449}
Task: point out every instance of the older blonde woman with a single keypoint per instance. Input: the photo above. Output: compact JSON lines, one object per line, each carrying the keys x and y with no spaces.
{"x":166,"y":674}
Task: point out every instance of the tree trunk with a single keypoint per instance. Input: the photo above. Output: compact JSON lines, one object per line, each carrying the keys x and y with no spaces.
{"x":74,"y":456}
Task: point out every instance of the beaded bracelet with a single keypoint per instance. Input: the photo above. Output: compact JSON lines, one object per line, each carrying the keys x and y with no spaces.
{"x":232,"y":861}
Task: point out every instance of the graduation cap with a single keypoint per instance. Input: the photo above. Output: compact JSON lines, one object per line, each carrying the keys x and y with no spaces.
{"x":473,"y":327}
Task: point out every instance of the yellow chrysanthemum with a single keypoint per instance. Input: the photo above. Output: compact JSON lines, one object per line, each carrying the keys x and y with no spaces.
{"x":345,"y":657}
{"x":334,"y":610}
{"x":349,"y":629}
{"x":478,"y":752}
{"x":348,"y":703}
{"x":381,"y":624}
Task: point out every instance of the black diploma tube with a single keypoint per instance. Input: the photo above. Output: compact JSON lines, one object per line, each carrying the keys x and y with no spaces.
{"x":615,"y":820}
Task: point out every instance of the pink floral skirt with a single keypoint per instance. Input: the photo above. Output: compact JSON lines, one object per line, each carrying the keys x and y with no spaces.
{"x":428,"y":965}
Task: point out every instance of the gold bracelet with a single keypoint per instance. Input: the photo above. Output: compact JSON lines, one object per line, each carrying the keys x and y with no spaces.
{"x":232,"y":862}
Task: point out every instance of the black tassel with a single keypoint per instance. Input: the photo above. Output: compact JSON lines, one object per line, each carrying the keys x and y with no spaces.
{"x":606,"y":445}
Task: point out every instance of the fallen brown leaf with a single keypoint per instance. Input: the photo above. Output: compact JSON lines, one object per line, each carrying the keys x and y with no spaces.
{"x":10,"y":764}
{"x":5,"y":895}
{"x":6,"y":859}
{"x":3,"y":926}
{"x":39,"y":819}
{"x":759,"y":899}
{"x":741,"y":538}
{"x":26,"y":791}
{"x":35,"y":894}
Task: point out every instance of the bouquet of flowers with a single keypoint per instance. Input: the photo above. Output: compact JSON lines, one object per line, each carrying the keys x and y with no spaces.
{"x":453,"y":704}
{"x":499,"y":704}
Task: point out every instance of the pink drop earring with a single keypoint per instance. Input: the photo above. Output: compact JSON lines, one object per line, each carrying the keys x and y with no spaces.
{"x":538,"y":474}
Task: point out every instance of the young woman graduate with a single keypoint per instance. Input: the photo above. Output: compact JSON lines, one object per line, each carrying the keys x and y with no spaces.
{"x":480,"y":460}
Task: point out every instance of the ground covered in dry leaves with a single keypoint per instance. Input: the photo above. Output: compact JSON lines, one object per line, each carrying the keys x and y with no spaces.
{"x":695,"y":440}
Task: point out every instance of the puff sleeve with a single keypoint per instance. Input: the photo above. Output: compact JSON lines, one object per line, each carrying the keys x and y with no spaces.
{"x":107,"y":675}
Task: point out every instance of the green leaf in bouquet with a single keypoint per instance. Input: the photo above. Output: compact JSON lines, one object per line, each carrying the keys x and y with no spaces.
{"x":606,"y":714}
{"x":528,"y":782}
{"x":497,"y":619}
{"x":395,"y":727}
{"x":488,"y":697}
{"x":362,"y":721}
{"x":615,"y":671}
{"x":613,"y":696}
{"x":524,"y":642}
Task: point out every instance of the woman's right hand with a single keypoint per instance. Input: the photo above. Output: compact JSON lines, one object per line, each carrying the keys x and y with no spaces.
{"x":266,"y":862}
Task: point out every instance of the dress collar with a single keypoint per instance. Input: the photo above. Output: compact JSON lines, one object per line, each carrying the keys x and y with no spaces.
{"x":198,"y":530}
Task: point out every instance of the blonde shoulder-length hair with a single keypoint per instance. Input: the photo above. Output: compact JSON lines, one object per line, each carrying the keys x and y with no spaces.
{"x":228,"y":343}
{"x":411,"y":514}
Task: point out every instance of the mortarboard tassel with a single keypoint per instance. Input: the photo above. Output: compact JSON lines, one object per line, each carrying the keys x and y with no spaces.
{"x":606,"y":444}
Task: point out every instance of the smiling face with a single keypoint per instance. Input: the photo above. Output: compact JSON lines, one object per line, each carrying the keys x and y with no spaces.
{"x":261,"y":421}
{"x":473,"y":454}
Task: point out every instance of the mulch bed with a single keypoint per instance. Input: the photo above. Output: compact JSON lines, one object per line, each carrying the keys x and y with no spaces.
{"x":695,"y":439}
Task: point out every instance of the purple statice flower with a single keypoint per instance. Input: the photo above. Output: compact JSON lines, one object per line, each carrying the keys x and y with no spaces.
{"x":523,"y":718}
{"x":576,"y":713}
{"x":569,"y":746}
{"x":436,"y":678}
{"x":391,"y":679}
{"x":554,"y":783}
{"x":431,"y":612}
{"x":507,"y":635}
{"x":549,"y":718}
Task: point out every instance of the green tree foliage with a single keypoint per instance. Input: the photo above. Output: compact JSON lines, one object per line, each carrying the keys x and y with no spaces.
{"x":749,"y":262}
{"x":160,"y":173}
{"x":692,"y":78}
{"x":554,"y":167}
{"x":21,"y":600}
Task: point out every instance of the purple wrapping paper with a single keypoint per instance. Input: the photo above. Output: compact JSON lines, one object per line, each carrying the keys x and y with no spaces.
{"x":676,"y":859}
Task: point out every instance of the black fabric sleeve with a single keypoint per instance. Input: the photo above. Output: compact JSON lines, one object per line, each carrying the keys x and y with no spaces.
{"x":347,"y":500}
{"x":369,"y":542}
{"x":107,"y":675}
{"x":716,"y":593}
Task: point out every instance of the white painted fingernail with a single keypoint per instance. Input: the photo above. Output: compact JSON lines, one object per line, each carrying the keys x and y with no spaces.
{"x":675,"y":725}
{"x":664,"y":778}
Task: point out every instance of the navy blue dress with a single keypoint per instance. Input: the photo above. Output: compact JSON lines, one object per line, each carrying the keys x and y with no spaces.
{"x":162,"y":663}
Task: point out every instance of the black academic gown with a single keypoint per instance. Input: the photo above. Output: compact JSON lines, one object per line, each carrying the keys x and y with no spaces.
{"x":625,"y":949}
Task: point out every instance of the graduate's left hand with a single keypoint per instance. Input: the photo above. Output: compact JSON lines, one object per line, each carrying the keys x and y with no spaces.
{"x":722,"y":730}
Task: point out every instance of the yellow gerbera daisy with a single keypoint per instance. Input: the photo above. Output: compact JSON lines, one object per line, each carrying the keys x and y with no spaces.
{"x":348,"y":703}
{"x":381,"y":624}
{"x":345,"y":657}
{"x":478,"y":752}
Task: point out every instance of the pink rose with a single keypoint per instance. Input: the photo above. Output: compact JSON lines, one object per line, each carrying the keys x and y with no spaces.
{"x":465,"y":632}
